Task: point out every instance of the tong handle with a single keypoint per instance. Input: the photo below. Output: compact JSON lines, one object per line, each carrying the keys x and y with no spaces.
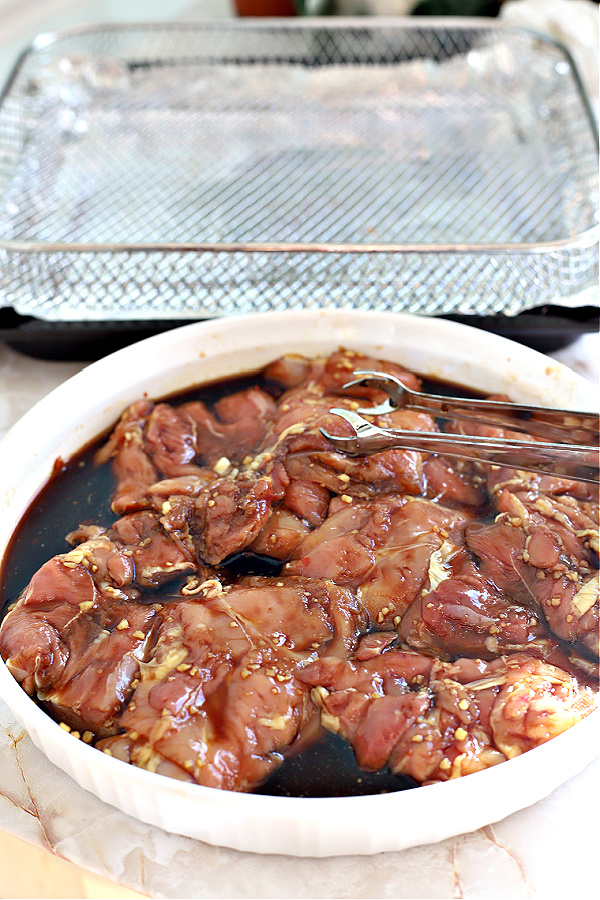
{"x":561,"y":425}
{"x":574,"y":461}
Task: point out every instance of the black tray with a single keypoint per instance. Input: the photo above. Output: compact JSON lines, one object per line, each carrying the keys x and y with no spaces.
{"x":544,"y":329}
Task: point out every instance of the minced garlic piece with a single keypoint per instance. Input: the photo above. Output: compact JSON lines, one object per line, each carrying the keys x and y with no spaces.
{"x":587,"y":596}
{"x":222,"y":466}
{"x":277,"y":723}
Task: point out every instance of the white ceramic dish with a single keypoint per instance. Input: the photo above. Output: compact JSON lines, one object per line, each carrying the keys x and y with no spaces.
{"x":87,"y":404}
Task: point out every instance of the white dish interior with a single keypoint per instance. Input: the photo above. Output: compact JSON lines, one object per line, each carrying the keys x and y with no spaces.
{"x":89,"y":403}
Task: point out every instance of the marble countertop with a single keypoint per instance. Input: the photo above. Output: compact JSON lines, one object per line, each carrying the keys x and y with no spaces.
{"x":546,"y":851}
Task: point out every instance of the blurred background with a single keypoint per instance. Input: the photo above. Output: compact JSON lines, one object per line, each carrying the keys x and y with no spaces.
{"x":574,"y":22}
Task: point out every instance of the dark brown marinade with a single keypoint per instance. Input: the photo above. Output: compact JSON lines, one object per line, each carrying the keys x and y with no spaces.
{"x":328,"y":769}
{"x":79,"y":492}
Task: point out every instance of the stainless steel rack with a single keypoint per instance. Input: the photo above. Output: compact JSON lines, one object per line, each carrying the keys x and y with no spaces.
{"x":186,"y":171}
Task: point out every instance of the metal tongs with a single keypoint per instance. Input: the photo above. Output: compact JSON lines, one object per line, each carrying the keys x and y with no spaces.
{"x":567,"y":445}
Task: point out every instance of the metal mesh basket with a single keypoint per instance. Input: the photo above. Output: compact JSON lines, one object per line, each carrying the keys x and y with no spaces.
{"x":186,"y":171}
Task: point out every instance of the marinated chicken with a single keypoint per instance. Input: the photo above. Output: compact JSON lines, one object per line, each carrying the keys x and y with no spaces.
{"x":251,"y":589}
